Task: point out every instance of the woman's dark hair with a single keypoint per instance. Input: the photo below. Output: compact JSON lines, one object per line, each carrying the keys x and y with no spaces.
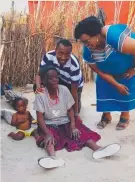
{"x":44,"y":70}
{"x":90,"y":26}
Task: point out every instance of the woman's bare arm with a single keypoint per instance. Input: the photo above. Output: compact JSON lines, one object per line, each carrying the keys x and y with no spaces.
{"x":38,"y":79}
{"x":72,"y":117}
{"x":42,"y":124}
{"x":129,"y":46}
{"x":109,"y":78}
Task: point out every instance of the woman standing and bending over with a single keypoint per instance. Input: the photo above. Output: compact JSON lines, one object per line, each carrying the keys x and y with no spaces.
{"x":110,"y":52}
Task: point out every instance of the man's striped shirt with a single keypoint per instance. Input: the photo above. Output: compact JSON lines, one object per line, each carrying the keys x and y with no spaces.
{"x":70,"y":73}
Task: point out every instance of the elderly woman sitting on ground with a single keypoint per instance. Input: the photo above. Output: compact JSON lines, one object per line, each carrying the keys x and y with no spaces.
{"x":57,"y":123}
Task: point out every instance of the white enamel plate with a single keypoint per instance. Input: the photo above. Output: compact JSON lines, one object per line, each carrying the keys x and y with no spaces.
{"x":49,"y":163}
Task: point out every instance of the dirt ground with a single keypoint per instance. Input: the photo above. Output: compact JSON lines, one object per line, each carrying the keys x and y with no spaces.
{"x":19,"y":158}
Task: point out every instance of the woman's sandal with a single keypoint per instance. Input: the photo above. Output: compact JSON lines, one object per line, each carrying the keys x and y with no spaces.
{"x":104,"y":122}
{"x":40,"y":142}
{"x":123,"y":124}
{"x":107,"y":151}
{"x":50,"y":162}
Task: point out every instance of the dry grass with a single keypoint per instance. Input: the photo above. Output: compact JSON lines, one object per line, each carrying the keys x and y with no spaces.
{"x":23,"y":48}
{"x":22,"y":51}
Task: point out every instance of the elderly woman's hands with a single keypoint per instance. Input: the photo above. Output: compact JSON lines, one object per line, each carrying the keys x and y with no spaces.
{"x":49,"y":140}
{"x":75,"y":133}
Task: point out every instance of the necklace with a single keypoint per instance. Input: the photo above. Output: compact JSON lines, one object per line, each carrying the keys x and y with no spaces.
{"x":55,"y":101}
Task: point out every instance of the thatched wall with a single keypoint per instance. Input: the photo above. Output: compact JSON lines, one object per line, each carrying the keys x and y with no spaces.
{"x":24,"y":46}
{"x":23,"y":43}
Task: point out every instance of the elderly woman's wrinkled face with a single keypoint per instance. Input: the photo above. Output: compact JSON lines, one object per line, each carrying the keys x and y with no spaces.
{"x":52,"y":79}
{"x":90,"y":42}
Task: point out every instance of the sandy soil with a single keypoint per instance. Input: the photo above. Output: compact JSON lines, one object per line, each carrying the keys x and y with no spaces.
{"x":19,"y":159}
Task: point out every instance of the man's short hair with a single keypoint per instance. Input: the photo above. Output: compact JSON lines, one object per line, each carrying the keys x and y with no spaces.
{"x":64,"y":42}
